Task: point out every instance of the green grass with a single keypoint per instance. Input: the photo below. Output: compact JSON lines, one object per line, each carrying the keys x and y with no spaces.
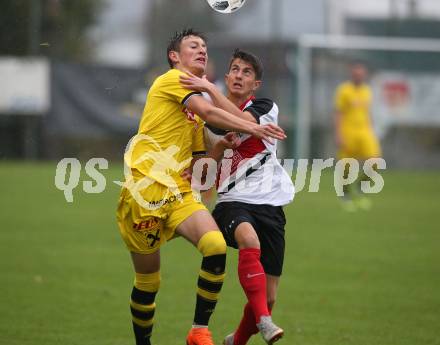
{"x":368,"y":278}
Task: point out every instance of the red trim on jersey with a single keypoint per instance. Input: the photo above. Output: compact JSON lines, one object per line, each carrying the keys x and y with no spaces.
{"x":251,"y":98}
{"x":248,"y":149}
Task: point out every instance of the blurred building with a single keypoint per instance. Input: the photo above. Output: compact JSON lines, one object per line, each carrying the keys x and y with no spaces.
{"x":121,"y":38}
{"x":403,"y":18}
{"x":119,"y":34}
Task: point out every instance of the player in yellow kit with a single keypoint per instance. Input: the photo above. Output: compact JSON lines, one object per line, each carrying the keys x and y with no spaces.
{"x":157,"y":204}
{"x":354,"y":133}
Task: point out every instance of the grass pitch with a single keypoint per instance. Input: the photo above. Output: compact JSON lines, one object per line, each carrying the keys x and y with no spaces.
{"x":367,"y":278}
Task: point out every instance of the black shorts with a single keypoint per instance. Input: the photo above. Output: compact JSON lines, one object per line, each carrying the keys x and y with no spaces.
{"x":268,"y":222}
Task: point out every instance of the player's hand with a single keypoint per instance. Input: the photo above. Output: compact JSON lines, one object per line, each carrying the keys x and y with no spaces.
{"x":193,"y":82}
{"x":230,"y":141}
{"x":186,"y":175}
{"x":268,"y":131}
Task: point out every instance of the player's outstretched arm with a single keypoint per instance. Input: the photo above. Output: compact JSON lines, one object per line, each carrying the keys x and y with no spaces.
{"x":222,"y":119}
{"x":193,"y":82}
{"x":230,"y":141}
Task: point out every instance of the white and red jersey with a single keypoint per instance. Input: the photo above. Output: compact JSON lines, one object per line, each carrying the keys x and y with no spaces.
{"x":252,"y":173}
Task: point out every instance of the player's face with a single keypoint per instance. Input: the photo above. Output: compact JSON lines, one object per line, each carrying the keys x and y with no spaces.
{"x":358,"y":74}
{"x":193,"y":55}
{"x":241,"y":79}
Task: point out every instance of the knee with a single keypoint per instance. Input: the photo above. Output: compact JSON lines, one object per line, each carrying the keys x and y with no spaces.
{"x":212,"y":243}
{"x":248,"y":240}
{"x":251,"y":243}
{"x":147,"y":282}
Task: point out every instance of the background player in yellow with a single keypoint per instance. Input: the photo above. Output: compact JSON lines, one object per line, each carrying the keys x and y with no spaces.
{"x":156,"y":203}
{"x":355,"y":137}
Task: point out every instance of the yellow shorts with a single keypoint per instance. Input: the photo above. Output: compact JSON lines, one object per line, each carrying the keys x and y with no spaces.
{"x":145,"y":230}
{"x":359,"y":144}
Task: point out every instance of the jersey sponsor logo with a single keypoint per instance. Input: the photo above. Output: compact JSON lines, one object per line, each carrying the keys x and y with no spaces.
{"x":189,"y":114}
{"x":146,"y":225}
{"x":169,"y":200}
{"x":153,"y":238}
{"x":150,"y":229}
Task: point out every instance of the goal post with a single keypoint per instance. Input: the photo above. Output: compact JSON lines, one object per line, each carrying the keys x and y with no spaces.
{"x":405,"y":77}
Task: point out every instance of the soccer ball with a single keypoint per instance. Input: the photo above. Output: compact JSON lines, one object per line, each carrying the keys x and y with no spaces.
{"x":226,"y":6}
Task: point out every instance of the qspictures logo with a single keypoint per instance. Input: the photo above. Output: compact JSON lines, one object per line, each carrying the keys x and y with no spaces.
{"x":163,"y":166}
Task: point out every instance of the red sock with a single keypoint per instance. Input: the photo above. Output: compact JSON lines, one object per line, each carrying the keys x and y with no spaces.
{"x":253,"y":281}
{"x":247,"y":327}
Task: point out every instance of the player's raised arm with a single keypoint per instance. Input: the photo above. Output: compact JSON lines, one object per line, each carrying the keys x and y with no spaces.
{"x":192,"y":82}
{"x":222,"y":119}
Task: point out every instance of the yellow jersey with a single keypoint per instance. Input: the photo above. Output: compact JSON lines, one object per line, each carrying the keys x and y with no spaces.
{"x":353,"y":102}
{"x":168,"y":135}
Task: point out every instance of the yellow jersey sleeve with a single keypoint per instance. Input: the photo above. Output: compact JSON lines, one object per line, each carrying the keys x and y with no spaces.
{"x":172,"y":89}
{"x":198,"y":143}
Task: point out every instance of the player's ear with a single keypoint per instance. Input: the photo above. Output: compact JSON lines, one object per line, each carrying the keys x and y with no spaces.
{"x":226,"y":78}
{"x":174,"y":56}
{"x":257,"y":85}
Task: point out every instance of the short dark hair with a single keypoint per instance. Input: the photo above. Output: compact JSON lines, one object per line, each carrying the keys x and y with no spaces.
{"x":174,"y":42}
{"x":250,"y":59}
{"x":357,"y":63}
